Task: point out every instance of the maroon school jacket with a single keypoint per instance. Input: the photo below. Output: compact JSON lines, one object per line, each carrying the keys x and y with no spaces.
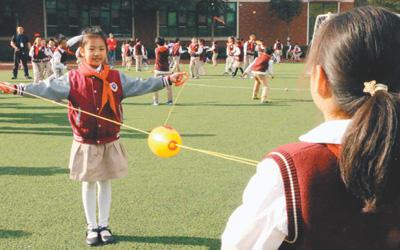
{"x":322,"y":213}
{"x":85,"y":94}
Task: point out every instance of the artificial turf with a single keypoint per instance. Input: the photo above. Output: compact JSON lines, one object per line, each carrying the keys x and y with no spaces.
{"x":177,"y":203}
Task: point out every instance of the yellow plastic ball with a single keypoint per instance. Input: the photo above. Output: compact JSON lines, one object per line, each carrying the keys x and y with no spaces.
{"x":163,"y":141}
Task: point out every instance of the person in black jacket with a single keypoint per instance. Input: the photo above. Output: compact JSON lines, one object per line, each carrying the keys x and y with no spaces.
{"x":21,"y":45}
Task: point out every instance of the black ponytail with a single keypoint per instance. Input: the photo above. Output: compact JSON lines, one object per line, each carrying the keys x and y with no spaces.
{"x":370,"y":150}
{"x":356,"y":47}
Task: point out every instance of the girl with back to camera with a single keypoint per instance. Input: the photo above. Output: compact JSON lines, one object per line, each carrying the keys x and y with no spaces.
{"x":97,"y":156}
{"x":338,"y":188}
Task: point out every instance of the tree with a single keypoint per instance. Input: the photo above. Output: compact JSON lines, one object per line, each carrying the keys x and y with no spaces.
{"x":393,"y":5}
{"x":286,"y":10}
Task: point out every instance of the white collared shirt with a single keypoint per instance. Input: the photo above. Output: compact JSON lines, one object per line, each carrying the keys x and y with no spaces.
{"x":261,"y":221}
{"x":57,"y":56}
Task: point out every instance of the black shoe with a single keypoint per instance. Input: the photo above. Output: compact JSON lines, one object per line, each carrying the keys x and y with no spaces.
{"x":28,"y":77}
{"x":14,"y":77}
{"x":92,"y":237}
{"x":106,"y":235}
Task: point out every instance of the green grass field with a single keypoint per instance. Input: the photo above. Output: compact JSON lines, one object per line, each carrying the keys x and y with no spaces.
{"x":176,"y":203}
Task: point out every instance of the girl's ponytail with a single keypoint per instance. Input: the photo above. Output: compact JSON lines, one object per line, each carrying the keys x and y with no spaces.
{"x":369,"y":161}
{"x":353,"y":48}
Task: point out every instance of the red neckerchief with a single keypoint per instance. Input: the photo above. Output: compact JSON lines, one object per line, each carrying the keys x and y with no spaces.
{"x":335,"y":149}
{"x":36,"y":50}
{"x":107,"y":95}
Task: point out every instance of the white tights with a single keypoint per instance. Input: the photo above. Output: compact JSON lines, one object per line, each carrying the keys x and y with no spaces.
{"x":89,"y":202}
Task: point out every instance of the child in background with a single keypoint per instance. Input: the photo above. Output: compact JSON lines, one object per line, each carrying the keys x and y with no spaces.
{"x":51,"y":43}
{"x":161,"y":68}
{"x":176,"y":55}
{"x":229,"y":55}
{"x":41,"y":56}
{"x":59,"y":60}
{"x":112,"y":44}
{"x":338,"y":188}
{"x":145,"y":61}
{"x":193,"y":51}
{"x":296,"y":52}
{"x":202,"y":57}
{"x":239,"y":56}
{"x":214,"y":50}
{"x":249,"y":50}
{"x":278,"y":50}
{"x":47,"y":60}
{"x":261,"y":68}
{"x":138,"y":52}
{"x":129,"y":54}
{"x":123,"y":53}
{"x":97,"y":155}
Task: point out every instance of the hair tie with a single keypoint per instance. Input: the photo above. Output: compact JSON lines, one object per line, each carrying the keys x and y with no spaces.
{"x":371,"y":87}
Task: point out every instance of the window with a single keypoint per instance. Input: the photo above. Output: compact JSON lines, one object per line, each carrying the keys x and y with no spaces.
{"x":188,"y":23}
{"x":316,"y":9}
{"x":69,"y":17}
{"x":8,"y":19}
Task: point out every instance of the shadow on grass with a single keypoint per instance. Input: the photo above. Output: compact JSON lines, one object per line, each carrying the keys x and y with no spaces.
{"x":13,"y":234}
{"x":35,"y":118}
{"x":213,"y":104}
{"x":14,"y":106}
{"x":291,"y":100}
{"x":68,"y":132}
{"x":36,"y":131}
{"x":32,"y":171}
{"x":255,"y":104}
{"x":212,"y":244}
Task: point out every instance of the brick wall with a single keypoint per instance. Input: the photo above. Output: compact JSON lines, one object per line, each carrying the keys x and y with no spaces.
{"x":32,"y":18}
{"x":146,"y":27}
{"x":346,"y":6}
{"x":258,"y":18}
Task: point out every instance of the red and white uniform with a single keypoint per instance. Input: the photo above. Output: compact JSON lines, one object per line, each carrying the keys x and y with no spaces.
{"x":262,"y":65}
{"x":176,"y":49}
{"x":214,"y":50}
{"x":305,"y":202}
{"x":238,"y":54}
{"x":138,"y":49}
{"x":41,"y":56}
{"x":194,"y":52}
{"x":296,"y":52}
{"x":161,"y":61}
{"x":176,"y":52}
{"x":138,"y":52}
{"x":161,"y":68}
{"x":278,"y":46}
{"x":59,"y":62}
{"x":229,"y":56}
{"x":249,"y":48}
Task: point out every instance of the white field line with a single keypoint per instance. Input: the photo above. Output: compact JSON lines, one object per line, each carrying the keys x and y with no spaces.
{"x":239,"y":87}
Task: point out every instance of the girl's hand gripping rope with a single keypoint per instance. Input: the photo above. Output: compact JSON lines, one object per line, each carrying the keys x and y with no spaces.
{"x":179,"y":78}
{"x":6,"y":88}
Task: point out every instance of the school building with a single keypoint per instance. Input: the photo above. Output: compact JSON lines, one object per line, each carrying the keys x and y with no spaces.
{"x":121,"y":17}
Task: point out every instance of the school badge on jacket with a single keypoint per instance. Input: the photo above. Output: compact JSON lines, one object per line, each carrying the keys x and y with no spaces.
{"x":113,"y":86}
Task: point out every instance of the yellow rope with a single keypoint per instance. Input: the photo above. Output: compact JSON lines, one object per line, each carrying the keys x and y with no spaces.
{"x":174,"y":104}
{"x":219,"y":155}
{"x":212,"y":153}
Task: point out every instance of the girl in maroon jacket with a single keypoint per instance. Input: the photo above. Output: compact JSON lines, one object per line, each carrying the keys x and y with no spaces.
{"x":161,"y":68}
{"x":260,"y":68}
{"x":97,"y":155}
{"x":338,"y":188}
